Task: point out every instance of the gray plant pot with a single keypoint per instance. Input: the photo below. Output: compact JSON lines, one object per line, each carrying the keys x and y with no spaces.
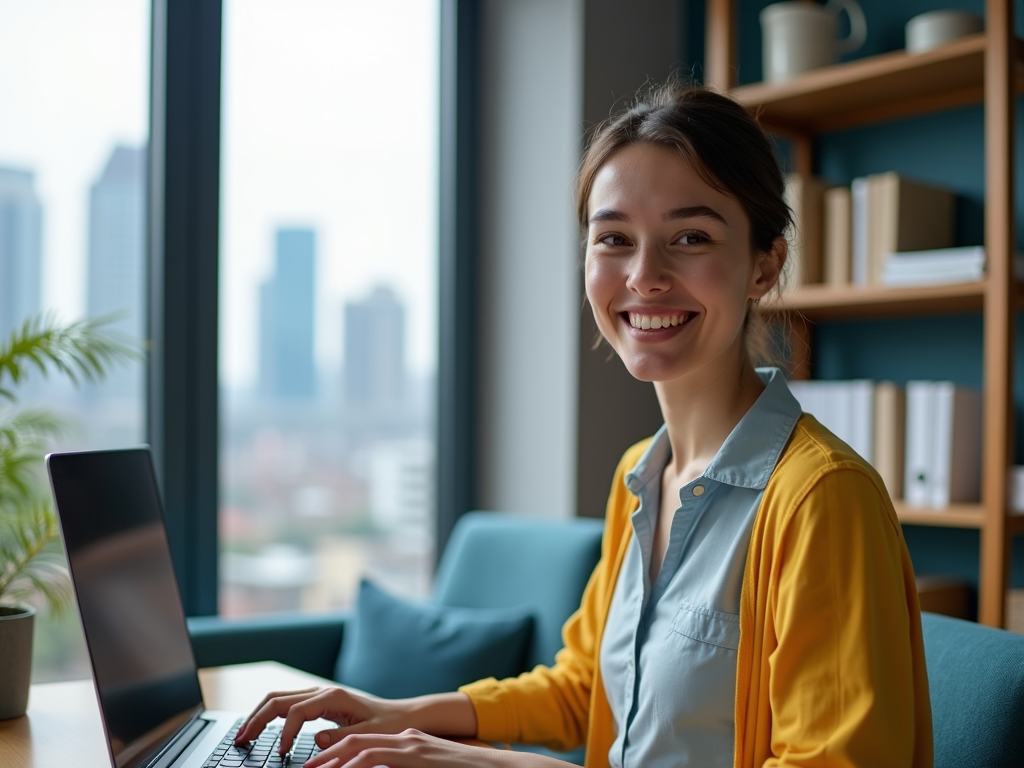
{"x":15,"y":659}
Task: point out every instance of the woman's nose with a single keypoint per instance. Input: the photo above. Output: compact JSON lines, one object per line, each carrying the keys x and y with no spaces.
{"x":648,"y":273}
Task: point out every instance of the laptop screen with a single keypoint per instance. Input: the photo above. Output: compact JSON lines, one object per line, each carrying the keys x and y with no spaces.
{"x":134,"y":624}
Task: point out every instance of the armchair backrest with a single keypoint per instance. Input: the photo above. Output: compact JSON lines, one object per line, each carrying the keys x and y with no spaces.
{"x":501,"y":560}
{"x":976,"y":679}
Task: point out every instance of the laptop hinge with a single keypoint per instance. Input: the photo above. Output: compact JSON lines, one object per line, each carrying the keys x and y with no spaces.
{"x":186,"y":738}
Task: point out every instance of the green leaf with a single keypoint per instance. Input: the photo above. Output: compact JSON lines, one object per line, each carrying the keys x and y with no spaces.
{"x":31,"y":557}
{"x":85,"y":349}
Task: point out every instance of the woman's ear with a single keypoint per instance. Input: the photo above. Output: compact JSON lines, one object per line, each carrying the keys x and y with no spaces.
{"x":768,"y":268}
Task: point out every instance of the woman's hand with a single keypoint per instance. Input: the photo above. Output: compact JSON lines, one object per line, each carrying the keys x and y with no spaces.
{"x":449,"y":714}
{"x":415,"y":749}
{"x":408,"y":749}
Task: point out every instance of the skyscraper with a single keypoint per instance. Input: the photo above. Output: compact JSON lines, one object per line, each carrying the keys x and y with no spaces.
{"x":116,"y":247}
{"x":287,"y":299}
{"x":374,"y":357}
{"x":20,"y":248}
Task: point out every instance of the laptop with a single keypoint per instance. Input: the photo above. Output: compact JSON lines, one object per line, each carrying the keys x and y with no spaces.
{"x":144,"y":670}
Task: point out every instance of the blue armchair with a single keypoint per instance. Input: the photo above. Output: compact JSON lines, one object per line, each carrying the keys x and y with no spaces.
{"x":976,"y":678}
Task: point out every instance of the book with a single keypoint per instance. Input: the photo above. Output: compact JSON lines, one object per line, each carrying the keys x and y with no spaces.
{"x":943,"y":438}
{"x":956,"y":451}
{"x":859,"y":231}
{"x":837,"y":236}
{"x":905,"y":215}
{"x":805,"y":197}
{"x":889,"y":435}
{"x":917,"y":469}
{"x":859,"y":397}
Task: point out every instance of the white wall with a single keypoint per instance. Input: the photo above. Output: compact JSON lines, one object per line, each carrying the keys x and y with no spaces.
{"x":529,"y":307}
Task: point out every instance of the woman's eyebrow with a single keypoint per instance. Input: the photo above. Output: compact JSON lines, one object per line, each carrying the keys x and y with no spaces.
{"x":694,"y":211}
{"x":686,"y":212}
{"x":607,"y":214}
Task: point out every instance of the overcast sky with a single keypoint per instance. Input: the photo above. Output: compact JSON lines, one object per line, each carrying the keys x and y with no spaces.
{"x":329,"y":121}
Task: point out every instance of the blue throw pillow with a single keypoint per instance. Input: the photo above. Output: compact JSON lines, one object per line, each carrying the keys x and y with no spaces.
{"x":397,"y":649}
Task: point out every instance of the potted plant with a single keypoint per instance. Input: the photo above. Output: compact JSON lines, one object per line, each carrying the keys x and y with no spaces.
{"x":32,"y":566}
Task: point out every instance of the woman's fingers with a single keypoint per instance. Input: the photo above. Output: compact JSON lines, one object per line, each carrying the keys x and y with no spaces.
{"x":409,"y":749}
{"x":332,"y":703}
{"x":274,"y":705}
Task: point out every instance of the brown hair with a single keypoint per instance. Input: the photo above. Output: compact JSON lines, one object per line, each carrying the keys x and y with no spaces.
{"x":723,"y":143}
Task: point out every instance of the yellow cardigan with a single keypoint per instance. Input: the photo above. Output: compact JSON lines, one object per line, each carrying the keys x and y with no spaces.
{"x":830,"y":667}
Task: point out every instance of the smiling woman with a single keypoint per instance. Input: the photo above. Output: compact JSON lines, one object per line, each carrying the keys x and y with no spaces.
{"x":755,"y":602}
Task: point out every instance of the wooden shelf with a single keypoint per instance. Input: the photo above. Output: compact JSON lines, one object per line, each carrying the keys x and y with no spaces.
{"x":822,"y":302}
{"x":956,"y":516}
{"x":875,"y":89}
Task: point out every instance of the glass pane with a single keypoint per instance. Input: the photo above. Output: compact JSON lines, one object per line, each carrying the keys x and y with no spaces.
{"x":328,"y":300}
{"x":74,"y":100}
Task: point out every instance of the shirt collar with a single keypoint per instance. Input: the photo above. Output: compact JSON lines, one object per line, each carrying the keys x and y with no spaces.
{"x":750,"y":452}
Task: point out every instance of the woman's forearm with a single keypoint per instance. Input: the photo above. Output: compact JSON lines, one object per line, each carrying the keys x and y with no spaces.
{"x":442,"y":714}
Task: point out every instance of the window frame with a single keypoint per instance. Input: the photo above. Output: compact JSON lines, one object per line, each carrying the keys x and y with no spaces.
{"x":183,"y":236}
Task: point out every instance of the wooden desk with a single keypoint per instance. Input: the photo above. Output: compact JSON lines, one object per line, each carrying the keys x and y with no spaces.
{"x":62,"y":728}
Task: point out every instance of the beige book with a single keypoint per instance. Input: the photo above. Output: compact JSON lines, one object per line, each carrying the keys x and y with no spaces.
{"x":890,"y":423}
{"x":1015,"y":610}
{"x":905,"y":216}
{"x":838,"y":236}
{"x":879,"y":223}
{"x":805,"y":197}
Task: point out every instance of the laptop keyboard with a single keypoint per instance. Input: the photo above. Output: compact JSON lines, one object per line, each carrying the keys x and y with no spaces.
{"x":261,"y":753}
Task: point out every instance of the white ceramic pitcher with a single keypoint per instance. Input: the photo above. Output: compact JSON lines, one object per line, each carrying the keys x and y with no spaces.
{"x":800,"y":36}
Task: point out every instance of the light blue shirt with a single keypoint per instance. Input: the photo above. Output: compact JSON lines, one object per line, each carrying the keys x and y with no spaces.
{"x":668,"y":655}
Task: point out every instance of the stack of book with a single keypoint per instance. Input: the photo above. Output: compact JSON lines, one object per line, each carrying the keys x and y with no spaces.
{"x":946,"y":265}
{"x":846,"y":235}
{"x":924,"y":440}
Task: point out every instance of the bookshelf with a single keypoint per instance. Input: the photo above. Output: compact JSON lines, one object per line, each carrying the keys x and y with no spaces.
{"x":986,"y":69}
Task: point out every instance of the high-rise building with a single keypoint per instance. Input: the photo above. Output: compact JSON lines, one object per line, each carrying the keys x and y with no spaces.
{"x":374,"y":357}
{"x":287,"y":303}
{"x":20,"y":249}
{"x":116,"y":264}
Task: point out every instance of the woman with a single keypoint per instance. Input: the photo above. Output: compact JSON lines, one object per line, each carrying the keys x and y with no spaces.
{"x":754,"y":603}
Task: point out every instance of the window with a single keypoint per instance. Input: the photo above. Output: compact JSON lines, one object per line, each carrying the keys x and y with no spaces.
{"x":328,"y":300}
{"x":74,"y":96}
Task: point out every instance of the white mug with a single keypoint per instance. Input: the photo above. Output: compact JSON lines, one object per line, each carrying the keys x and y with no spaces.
{"x":800,"y":36}
{"x":934,"y":28}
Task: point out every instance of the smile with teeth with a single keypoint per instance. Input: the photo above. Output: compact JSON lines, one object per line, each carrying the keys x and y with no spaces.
{"x":654,"y":322}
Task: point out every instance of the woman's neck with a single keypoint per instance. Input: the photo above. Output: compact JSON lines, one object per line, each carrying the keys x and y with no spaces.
{"x":701,"y":409}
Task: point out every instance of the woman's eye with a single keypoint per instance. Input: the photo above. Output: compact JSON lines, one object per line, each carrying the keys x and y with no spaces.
{"x":692,"y":238}
{"x":611,"y":238}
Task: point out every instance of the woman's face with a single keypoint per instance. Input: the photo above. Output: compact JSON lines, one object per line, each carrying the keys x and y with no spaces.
{"x":669,"y":267}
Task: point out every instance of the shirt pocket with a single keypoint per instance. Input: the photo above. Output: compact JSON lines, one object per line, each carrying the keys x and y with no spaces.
{"x":707,"y":626}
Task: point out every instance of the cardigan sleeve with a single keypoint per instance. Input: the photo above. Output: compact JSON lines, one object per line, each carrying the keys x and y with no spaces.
{"x":551,"y":705}
{"x":548,"y":705}
{"x":842,"y":688}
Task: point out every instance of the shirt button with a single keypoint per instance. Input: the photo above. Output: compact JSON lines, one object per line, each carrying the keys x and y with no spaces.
{"x":698,"y":490}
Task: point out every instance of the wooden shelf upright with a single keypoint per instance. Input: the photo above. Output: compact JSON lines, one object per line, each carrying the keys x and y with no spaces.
{"x":987,"y":68}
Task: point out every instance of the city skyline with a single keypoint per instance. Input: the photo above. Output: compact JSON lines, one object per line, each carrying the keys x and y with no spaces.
{"x":114,"y":280}
{"x":309,"y":161}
